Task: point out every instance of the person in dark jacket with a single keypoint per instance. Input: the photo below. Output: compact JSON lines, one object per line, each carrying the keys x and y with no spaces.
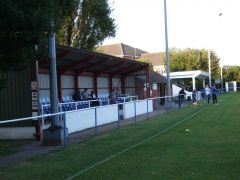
{"x":214,"y":94}
{"x":181,"y":95}
{"x":112,"y":97}
{"x":76,"y":96}
{"x":194,"y":97}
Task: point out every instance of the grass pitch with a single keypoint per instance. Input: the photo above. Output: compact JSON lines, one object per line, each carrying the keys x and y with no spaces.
{"x":195,"y":142}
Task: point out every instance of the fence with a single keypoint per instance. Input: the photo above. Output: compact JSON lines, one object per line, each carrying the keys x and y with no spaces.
{"x":114,"y":115}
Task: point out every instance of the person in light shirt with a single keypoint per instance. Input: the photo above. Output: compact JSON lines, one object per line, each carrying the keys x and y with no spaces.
{"x":208,"y":92}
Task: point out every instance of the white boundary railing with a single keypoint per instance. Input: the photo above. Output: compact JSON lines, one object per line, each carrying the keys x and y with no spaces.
{"x":93,"y":117}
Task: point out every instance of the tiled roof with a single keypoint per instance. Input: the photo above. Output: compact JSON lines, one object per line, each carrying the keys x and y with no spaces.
{"x":156,"y":59}
{"x":121,"y":50}
{"x":113,"y":49}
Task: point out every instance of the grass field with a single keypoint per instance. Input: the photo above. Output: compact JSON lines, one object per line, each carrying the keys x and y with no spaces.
{"x":196,"y":142}
{"x":7,"y":147}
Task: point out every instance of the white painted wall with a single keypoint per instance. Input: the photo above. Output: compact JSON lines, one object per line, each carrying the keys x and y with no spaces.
{"x":141,"y":106}
{"x":103,"y":85}
{"x":17,"y":132}
{"x":85,"y":118}
{"x":85,"y":82}
{"x":128,"y":110}
{"x":44,"y":85}
{"x":107,"y":114}
{"x":80,"y":120}
{"x":67,"y":81}
{"x":130,"y":85}
{"x":116,"y":82}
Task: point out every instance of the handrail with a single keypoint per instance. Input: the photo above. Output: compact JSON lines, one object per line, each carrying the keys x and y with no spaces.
{"x":61,"y":113}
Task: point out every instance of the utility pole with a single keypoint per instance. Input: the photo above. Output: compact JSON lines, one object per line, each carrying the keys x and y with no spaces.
{"x":209,"y":68}
{"x":221,"y":66}
{"x":167,"y":51}
{"x":55,"y":134}
{"x":53,"y":74}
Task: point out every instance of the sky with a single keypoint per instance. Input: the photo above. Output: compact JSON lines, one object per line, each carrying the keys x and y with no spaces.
{"x":191,"y":24}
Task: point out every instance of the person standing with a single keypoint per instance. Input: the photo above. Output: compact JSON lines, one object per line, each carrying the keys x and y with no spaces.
{"x":214,"y":94}
{"x":208,"y":92}
{"x":181,"y":95}
{"x":112,"y":97}
{"x":194,"y":97}
{"x":84,"y":94}
{"x":203,"y":93}
{"x":76,"y":96}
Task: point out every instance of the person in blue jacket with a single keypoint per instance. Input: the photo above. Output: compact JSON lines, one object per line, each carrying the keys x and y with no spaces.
{"x":214,"y":94}
{"x":203,"y":93}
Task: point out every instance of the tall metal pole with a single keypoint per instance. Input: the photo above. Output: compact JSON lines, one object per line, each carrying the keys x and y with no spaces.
{"x":167,"y":51}
{"x":53,"y":73}
{"x":221,"y":66}
{"x":209,"y":68}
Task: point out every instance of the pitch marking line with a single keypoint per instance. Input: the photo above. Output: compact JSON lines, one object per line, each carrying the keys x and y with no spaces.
{"x":133,"y":146}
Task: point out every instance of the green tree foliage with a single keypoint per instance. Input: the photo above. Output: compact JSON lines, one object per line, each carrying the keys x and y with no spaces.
{"x":194,"y":59}
{"x":146,"y":60}
{"x":89,"y":23}
{"x":232,"y":74}
{"x":26,"y":23}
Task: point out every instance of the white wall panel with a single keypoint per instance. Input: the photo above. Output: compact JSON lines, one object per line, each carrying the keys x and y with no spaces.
{"x":103,"y":92}
{"x":17,"y":132}
{"x":44,"y":85}
{"x":43,"y":81}
{"x":116,"y":82}
{"x":80,"y":120}
{"x":44,"y":93}
{"x":67,"y":92}
{"x":141,"y":106}
{"x":107,"y":114}
{"x":103,"y":86}
{"x":67,"y":81}
{"x":128,"y":110}
{"x":85,"y":82}
{"x":103,"y":82}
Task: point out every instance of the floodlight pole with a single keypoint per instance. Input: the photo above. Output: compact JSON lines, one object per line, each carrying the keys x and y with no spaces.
{"x":53,"y":72}
{"x":167,"y":51}
{"x":209,"y":68}
{"x":221,"y":67}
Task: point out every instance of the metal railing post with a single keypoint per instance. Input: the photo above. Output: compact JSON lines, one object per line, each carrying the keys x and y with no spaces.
{"x":174,"y":102}
{"x":135,"y":111}
{"x":118,"y":118}
{"x":64,"y":130}
{"x":96,"y":126}
{"x":147,"y":109}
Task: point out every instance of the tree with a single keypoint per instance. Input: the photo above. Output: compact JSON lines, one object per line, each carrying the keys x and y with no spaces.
{"x":89,"y":23}
{"x":194,"y":59}
{"x":232,"y":74}
{"x":146,"y":60}
{"x":24,"y":24}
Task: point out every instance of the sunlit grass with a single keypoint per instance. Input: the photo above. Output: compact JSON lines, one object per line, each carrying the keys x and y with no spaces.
{"x":196,"y":142}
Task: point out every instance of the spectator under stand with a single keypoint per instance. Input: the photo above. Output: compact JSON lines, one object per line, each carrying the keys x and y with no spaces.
{"x":79,"y":69}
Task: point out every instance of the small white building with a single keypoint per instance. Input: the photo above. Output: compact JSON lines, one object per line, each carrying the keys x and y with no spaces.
{"x":197,"y":74}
